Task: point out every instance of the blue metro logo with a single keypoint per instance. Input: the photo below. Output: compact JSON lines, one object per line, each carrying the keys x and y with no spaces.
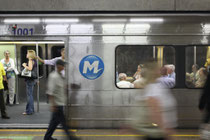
{"x":91,"y":67}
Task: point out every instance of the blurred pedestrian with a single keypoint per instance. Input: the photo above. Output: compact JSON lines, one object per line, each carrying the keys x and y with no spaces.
{"x":57,"y":99}
{"x":157,"y":119}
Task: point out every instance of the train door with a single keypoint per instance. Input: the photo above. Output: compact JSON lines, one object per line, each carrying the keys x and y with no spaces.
{"x":45,"y":50}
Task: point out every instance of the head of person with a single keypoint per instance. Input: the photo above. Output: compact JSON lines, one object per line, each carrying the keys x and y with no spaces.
{"x":63,"y":53}
{"x":60,"y":65}
{"x":194,"y":68}
{"x":151,"y":71}
{"x":163,"y":71}
{"x":122,"y":76}
{"x":139,"y":68}
{"x":170,"y":69}
{"x":6,"y":54}
{"x":31,"y":54}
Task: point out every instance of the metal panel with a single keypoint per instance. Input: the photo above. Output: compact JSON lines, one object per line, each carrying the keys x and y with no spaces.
{"x":192,"y":5}
{"x":84,"y":5}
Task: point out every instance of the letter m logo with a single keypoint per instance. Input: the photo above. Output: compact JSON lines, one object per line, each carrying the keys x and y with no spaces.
{"x":89,"y":66}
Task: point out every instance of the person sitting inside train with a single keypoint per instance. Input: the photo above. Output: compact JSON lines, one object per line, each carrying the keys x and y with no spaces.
{"x":171,"y":71}
{"x":192,"y":77}
{"x":140,"y":82}
{"x":164,"y":79}
{"x":123,"y":83}
{"x":137,"y":74}
{"x":202,"y":78}
{"x":53,"y":61}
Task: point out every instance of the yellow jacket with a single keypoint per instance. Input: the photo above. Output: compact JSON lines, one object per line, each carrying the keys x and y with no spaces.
{"x":2,"y":73}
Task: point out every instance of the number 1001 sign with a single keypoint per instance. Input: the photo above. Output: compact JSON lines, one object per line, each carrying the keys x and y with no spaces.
{"x":23,"y":31}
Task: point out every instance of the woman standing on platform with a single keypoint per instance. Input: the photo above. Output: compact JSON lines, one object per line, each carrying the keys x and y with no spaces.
{"x":30,"y":82}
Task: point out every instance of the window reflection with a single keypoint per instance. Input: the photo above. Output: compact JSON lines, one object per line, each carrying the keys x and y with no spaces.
{"x":197,"y":64}
{"x":130,"y":61}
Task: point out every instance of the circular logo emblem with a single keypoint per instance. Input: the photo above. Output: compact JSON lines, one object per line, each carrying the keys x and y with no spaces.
{"x":91,"y":67}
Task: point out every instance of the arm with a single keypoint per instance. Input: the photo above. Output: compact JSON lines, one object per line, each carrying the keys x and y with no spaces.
{"x":204,"y":97}
{"x":12,"y":65}
{"x":3,"y":73}
{"x":41,"y":60}
{"x":51,"y":61}
{"x":30,"y":65}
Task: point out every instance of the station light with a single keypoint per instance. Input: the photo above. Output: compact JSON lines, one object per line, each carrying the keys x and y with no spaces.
{"x":33,"y":42}
{"x":146,"y":20}
{"x":60,"y":20}
{"x":109,"y":20}
{"x":21,"y":20}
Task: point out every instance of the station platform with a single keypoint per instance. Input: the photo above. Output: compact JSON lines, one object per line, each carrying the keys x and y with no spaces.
{"x":18,"y":120}
{"x":87,"y":134}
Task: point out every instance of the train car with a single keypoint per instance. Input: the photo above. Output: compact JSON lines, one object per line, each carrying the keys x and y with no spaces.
{"x":98,"y":48}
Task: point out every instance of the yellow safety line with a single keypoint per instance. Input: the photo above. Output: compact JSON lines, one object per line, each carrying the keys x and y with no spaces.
{"x":32,"y":130}
{"x":94,"y":135}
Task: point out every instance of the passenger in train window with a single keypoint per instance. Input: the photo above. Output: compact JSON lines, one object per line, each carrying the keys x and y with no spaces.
{"x":201,"y":78}
{"x":123,"y":83}
{"x":140,"y":82}
{"x":9,"y":67}
{"x":57,"y":98}
{"x":2,"y":103}
{"x":30,"y":82}
{"x":164,"y":79}
{"x":137,"y":74}
{"x":171,"y":71}
{"x":192,"y":77}
{"x":52,"y":62}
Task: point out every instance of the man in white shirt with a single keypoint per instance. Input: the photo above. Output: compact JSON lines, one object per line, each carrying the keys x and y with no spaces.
{"x":123,"y":83}
{"x":165,"y":80}
{"x":52,"y":62}
{"x":9,"y":67}
{"x":171,"y":71}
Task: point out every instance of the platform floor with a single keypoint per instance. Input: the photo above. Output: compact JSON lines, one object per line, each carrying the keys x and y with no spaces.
{"x":41,"y":118}
{"x":87,"y":134}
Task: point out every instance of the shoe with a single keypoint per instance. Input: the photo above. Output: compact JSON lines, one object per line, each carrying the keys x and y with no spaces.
{"x":5,"y":117}
{"x":24,"y":113}
{"x":52,"y":138}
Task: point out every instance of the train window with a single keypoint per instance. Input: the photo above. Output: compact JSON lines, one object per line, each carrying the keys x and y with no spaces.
{"x":130,"y":60}
{"x":197,"y":66}
{"x":56,"y":51}
{"x":24,"y":53}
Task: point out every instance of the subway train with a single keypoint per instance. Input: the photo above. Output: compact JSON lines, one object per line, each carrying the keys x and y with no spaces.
{"x":97,"y":48}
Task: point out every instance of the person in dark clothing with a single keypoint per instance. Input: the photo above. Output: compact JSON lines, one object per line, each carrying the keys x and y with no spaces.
{"x":204,"y":102}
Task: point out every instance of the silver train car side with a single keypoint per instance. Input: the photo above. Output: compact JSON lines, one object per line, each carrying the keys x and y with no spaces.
{"x":121,"y":41}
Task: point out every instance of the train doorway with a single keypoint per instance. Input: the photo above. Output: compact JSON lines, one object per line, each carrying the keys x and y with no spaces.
{"x":46,"y":50}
